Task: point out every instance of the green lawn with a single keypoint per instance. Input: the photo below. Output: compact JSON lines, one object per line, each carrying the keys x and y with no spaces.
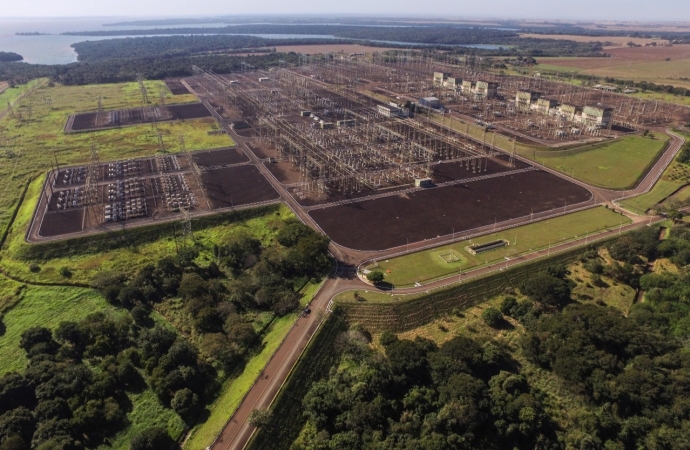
{"x":615,"y":165}
{"x":428,"y":265}
{"x":641,"y":203}
{"x":235,"y":389}
{"x":674,"y":177}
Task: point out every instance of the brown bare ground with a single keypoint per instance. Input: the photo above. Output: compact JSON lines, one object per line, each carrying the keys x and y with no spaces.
{"x":3,"y":86}
{"x":625,"y":55}
{"x":618,"y":40}
{"x":649,"y":27}
{"x":638,"y":64}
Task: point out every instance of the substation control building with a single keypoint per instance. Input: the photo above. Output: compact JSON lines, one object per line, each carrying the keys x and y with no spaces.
{"x":430,"y":102}
{"x":423,"y":182}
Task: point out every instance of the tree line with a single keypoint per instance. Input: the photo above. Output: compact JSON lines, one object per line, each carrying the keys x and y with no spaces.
{"x":626,"y":378}
{"x":73,"y":393}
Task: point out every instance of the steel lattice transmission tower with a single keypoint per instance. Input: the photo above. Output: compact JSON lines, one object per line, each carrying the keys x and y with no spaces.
{"x":186,"y":225}
{"x":144,"y":93}
{"x":90,"y":198}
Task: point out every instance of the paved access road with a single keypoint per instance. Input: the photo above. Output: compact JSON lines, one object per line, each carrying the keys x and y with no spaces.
{"x":237,"y":433}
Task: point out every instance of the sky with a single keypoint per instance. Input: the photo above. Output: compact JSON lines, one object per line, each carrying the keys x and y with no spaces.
{"x":642,"y":10}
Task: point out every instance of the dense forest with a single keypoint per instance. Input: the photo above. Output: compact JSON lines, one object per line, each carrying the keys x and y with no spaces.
{"x":176,"y":46}
{"x":122,"y":70}
{"x":10,"y":57}
{"x":401,"y":35}
{"x":631,"y":372}
{"x":73,"y":393}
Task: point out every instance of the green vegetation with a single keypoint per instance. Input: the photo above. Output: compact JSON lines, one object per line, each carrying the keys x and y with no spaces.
{"x":429,"y":265}
{"x":676,"y":175}
{"x":570,"y":370}
{"x":10,"y":57}
{"x":316,"y":362}
{"x":618,"y":164}
{"x":147,"y":412}
{"x":10,"y":95}
{"x":42,"y":306}
{"x":35,"y":134}
{"x":233,"y":311}
{"x":596,"y":164}
{"x":234,"y":390}
{"x":81,"y":376}
{"x":642,"y":203}
{"x":235,"y":261}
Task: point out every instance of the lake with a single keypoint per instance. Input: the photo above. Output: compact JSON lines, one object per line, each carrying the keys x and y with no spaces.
{"x":56,"y":49}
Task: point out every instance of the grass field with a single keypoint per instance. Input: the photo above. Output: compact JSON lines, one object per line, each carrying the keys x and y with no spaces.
{"x":642,"y":203}
{"x":428,"y":265}
{"x":674,"y":177}
{"x":46,"y":307}
{"x":616,"y":165}
{"x":10,"y":95}
{"x":35,"y":134}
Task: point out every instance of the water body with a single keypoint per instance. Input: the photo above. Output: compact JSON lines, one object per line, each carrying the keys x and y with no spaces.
{"x":54,"y":48}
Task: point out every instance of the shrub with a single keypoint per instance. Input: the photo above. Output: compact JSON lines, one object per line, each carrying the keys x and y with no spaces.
{"x":375,"y":277}
{"x":508,"y":305}
{"x":492,"y":317}
{"x":153,"y":439}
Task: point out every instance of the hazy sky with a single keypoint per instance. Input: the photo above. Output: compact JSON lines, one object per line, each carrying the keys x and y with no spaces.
{"x":571,"y":9}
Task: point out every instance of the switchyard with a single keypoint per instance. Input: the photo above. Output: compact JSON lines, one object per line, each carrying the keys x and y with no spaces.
{"x":102,"y":120}
{"x":104,"y":197}
{"x":377,"y":150}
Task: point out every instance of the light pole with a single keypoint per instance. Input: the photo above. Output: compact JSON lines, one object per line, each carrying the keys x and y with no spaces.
{"x":453,"y":238}
{"x":407,"y":245}
{"x":531,"y":215}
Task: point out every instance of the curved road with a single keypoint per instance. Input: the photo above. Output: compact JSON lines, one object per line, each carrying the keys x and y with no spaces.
{"x":237,"y":432}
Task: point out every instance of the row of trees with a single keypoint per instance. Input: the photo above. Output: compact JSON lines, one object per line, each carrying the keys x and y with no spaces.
{"x":627,"y":379}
